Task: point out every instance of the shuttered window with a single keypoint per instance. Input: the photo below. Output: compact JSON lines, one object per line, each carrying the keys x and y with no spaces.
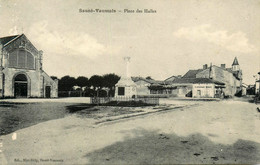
{"x":13,"y":59}
{"x":21,"y":59}
{"x":30,"y":61}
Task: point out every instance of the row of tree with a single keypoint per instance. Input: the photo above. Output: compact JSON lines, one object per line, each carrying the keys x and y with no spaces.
{"x":95,"y":82}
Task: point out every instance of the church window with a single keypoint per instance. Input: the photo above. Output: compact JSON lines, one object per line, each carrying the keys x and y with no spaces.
{"x":21,"y":59}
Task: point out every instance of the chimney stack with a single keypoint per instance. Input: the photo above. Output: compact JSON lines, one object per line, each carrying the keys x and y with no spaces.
{"x":223,"y":66}
{"x":205,"y":66}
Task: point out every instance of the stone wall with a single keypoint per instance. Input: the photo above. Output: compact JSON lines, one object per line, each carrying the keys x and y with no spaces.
{"x":37,"y":79}
{"x":32,"y":80}
{"x":203,"y":90}
{"x":52,"y":83}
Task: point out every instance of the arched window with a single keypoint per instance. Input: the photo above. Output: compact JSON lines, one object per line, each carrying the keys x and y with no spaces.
{"x":21,"y":59}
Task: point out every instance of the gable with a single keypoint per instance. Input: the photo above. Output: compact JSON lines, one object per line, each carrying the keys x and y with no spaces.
{"x":5,"y":40}
{"x":20,"y":42}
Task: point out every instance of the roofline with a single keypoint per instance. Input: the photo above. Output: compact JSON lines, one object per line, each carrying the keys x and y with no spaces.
{"x":19,"y":37}
{"x":12,"y":40}
{"x":49,"y":76}
{"x":170,"y":77}
{"x":212,"y":81}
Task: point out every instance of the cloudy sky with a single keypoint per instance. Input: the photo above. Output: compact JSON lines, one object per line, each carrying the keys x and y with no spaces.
{"x":181,"y":35}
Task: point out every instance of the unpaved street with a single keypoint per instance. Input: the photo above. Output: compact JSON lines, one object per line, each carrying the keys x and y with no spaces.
{"x":212,"y":132}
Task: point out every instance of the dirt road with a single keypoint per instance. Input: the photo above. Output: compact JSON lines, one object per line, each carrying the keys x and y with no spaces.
{"x":214,"y":132}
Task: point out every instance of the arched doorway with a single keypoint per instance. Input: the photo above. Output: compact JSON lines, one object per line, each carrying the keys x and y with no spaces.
{"x":20,"y":86}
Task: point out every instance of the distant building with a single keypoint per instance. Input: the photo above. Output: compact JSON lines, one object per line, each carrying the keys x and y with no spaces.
{"x":209,"y":82}
{"x":221,"y":80}
{"x":170,"y":79}
{"x":21,"y":73}
{"x":148,"y":87}
{"x":257,"y":85}
{"x":197,"y":87}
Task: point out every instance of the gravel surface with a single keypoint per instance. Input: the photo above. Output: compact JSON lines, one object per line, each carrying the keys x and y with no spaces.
{"x":211,"y":133}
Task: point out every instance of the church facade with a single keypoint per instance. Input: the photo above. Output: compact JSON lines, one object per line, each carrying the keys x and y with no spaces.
{"x":21,"y":73}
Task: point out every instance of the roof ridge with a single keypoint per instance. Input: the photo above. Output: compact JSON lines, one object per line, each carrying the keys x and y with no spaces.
{"x":9,"y":36}
{"x":18,"y":36}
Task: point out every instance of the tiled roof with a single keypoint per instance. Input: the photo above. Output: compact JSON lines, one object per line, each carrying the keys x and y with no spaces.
{"x":192,"y":73}
{"x":235,"y":62}
{"x":170,"y":78}
{"x":196,"y":81}
{"x":229,"y":69}
{"x":5,"y":40}
{"x":135,"y":79}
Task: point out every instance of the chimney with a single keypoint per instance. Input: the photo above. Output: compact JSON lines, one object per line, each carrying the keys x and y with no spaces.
{"x":205,"y":66}
{"x":223,"y":66}
{"x":179,"y":76}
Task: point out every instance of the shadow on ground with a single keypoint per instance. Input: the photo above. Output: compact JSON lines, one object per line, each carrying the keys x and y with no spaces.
{"x":15,"y":116}
{"x":158,"y":148}
{"x":78,"y":107}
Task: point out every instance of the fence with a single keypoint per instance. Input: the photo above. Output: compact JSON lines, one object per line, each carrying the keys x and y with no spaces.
{"x":103,"y":100}
{"x":74,"y":94}
{"x":100,"y":100}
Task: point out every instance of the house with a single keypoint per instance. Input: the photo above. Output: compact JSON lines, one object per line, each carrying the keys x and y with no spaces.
{"x":223,"y":81}
{"x":197,"y":87}
{"x":152,"y":88}
{"x":244,"y":89}
{"x":21,"y":72}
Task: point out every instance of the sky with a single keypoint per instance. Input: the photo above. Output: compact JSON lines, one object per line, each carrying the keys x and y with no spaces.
{"x":181,"y":35}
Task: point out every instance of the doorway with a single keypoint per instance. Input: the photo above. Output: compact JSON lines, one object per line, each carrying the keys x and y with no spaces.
{"x":20,"y":86}
{"x":47,"y":91}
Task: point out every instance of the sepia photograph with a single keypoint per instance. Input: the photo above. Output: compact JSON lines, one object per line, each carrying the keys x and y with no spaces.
{"x":129,"y":82}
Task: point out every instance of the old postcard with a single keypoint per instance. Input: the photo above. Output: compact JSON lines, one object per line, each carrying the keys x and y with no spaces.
{"x":129,"y":82}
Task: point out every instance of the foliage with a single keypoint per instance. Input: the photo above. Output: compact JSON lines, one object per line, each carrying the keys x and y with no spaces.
{"x":102,"y":93}
{"x":110,"y":80}
{"x":82,"y":81}
{"x":96,"y":81}
{"x":66,"y":83}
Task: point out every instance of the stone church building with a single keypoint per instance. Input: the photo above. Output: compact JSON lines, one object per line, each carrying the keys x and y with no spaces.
{"x":21,"y":73}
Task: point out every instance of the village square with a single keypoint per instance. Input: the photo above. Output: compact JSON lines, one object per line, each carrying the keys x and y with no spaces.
{"x":165,"y":92}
